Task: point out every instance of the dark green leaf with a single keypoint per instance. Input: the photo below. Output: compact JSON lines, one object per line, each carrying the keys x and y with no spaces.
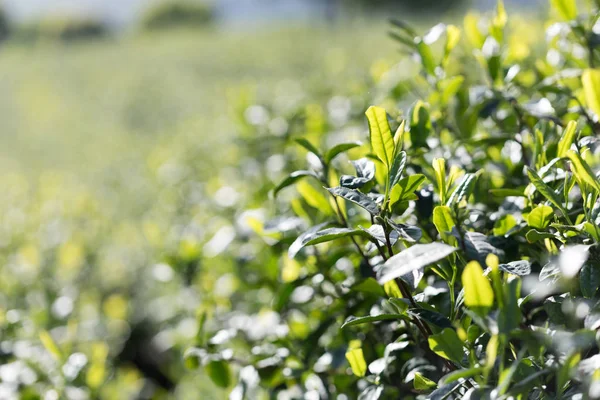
{"x":308,"y":146}
{"x":420,"y":124}
{"x":365,"y":168}
{"x":351,"y":321}
{"x":407,"y":233}
{"x":352,"y":182}
{"x":301,"y":240}
{"x":589,"y":279}
{"x":432,"y":317}
{"x":520,"y":268}
{"x":219,"y":373}
{"x":358,"y":198}
{"x":369,"y":285}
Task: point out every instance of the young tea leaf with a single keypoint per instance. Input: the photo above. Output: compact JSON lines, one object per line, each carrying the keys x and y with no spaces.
{"x":546,"y":191}
{"x":540,"y":217}
{"x":382,"y":141}
{"x":567,"y":139}
{"x":422,"y":384}
{"x":357,"y":362}
{"x":406,"y":188}
{"x":479,"y":295}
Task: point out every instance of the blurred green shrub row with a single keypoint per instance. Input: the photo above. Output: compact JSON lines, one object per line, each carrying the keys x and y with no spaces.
{"x":165,"y":14}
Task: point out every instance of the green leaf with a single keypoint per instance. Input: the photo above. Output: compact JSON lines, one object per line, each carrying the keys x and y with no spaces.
{"x":444,"y":222}
{"x":510,"y":315}
{"x":357,"y":362}
{"x":369,"y":285}
{"x":463,"y":190}
{"x":397,"y":168}
{"x":352,"y":321}
{"x":452,"y":38}
{"x":297,"y":245}
{"x":507,"y":192}
{"x":340,"y":148}
{"x":535,"y":236}
{"x":358,"y":198}
{"x":582,"y":170}
{"x":479,"y":295}
{"x":567,"y":139}
{"x":546,"y":191}
{"x":327,"y":235}
{"x":461,"y":374}
{"x":590,"y":79}
{"x":446,"y":344}
{"x":420,"y":124}
{"x":382,"y":141}
{"x":540,"y":217}
{"x":450,"y":88}
{"x":308,"y":146}
{"x":432,"y":317}
{"x":313,"y":197}
{"x":503,"y":225}
{"x":50,"y":345}
{"x":520,"y":268}
{"x":293,"y":178}
{"x":439,"y":168}
{"x":567,"y":9}
{"x":219,"y":373}
{"x":423,"y":384}
{"x":426,"y":57}
{"x":408,"y":233}
{"x":413,"y":258}
{"x":589,"y":279}
{"x":406,"y":188}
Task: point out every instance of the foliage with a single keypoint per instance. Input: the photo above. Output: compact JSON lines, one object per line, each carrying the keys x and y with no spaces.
{"x":456,"y":254}
{"x":119,"y":197}
{"x":66,"y":29}
{"x":173,"y":13}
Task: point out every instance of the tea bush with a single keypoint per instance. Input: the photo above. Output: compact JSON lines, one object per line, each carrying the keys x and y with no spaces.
{"x":452,"y":252}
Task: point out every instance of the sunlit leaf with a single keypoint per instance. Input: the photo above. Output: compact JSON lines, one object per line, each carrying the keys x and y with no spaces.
{"x":382,"y":141}
{"x":479,"y":295}
{"x":415,"y":257}
{"x":446,"y":344}
{"x":357,"y":362}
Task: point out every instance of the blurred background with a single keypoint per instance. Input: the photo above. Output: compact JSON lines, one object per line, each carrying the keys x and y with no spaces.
{"x":125,"y":125}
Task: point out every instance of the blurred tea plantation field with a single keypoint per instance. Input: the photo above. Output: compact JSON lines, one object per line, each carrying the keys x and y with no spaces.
{"x":119,"y":180}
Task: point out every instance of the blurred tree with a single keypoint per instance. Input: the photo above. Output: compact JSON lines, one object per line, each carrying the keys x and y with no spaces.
{"x":172,"y":13}
{"x":4,"y":25}
{"x":333,"y":7}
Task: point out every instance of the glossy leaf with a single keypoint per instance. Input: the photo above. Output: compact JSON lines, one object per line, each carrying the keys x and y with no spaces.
{"x":352,"y":321}
{"x":356,"y":197}
{"x":589,"y":279}
{"x":397,"y":168}
{"x":520,"y":268}
{"x":415,"y":257}
{"x":300,"y":241}
{"x":463,"y":190}
{"x":408,"y":233}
